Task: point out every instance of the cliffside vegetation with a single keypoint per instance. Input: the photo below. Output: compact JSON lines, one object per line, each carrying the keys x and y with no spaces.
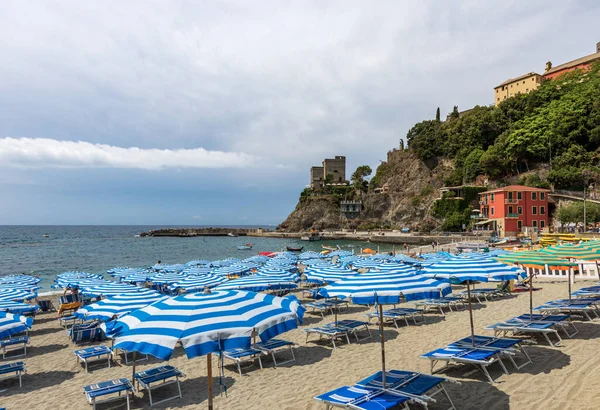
{"x":556,"y":127}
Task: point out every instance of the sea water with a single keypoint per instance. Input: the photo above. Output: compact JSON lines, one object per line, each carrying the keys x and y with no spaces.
{"x":25,"y":249}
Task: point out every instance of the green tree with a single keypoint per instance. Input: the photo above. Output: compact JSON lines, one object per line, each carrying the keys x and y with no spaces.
{"x":437,"y":114}
{"x":471,"y":166}
{"x":358,"y":177}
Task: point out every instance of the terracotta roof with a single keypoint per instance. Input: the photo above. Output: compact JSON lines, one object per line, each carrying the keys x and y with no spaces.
{"x":516,"y":188}
{"x":582,"y":60}
{"x":512,"y":80}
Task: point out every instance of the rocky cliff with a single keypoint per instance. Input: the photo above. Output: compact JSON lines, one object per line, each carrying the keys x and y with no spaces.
{"x":413,"y":187}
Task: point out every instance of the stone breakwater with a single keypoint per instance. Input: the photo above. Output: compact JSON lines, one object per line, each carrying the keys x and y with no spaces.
{"x":191,"y":232}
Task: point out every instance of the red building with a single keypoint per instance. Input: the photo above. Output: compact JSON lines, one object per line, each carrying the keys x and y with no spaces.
{"x":582,"y":63}
{"x":512,"y":208}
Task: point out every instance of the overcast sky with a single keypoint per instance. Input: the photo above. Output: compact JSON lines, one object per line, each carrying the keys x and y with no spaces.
{"x":172,"y":112}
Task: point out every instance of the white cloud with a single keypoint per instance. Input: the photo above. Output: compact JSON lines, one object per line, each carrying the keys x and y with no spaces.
{"x":50,"y":153}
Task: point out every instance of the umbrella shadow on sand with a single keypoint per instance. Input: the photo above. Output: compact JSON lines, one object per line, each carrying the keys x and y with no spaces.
{"x":194,"y":391}
{"x":35,"y":381}
{"x":45,"y":349}
{"x":587,"y":330}
{"x":475,"y":395}
{"x":44,"y":331}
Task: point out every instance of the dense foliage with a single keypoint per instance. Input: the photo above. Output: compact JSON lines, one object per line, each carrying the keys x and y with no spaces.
{"x":573,"y":213}
{"x":557,"y":125}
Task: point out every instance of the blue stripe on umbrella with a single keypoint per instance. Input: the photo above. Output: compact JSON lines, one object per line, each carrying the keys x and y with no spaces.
{"x":472,"y":269}
{"x":118,"y":305}
{"x":11,"y":324}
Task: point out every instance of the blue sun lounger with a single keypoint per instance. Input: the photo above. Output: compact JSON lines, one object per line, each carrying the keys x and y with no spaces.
{"x":480,"y":358}
{"x":518,"y":327}
{"x":274,"y":346}
{"x":330,"y":332}
{"x":165,"y":374}
{"x":12,"y":344}
{"x":96,"y":352}
{"x":439,"y":304}
{"x":85,"y":333}
{"x":352,"y":327}
{"x":355,"y":397}
{"x":93,"y":391}
{"x":329,"y":305}
{"x":421,"y":387}
{"x":507,"y":346}
{"x":240,"y":356}
{"x":575,"y":307}
{"x":12,"y":370}
{"x":399,"y":314}
{"x":562,"y":322}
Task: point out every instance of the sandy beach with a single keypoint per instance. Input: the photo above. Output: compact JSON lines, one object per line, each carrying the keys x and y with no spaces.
{"x":559,"y":378}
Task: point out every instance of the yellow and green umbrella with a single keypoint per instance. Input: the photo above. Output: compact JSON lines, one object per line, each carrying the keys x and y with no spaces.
{"x":574,"y":251}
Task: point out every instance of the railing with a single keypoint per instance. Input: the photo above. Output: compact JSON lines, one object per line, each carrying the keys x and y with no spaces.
{"x":511,"y":201}
{"x":512,"y":215}
{"x":480,"y":216}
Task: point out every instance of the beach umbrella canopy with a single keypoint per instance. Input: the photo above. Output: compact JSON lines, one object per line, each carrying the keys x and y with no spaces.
{"x":67,"y":279}
{"x":385,"y":288}
{"x":20,"y":286}
{"x":400,"y":257}
{"x":109,"y":289}
{"x":474,"y":270}
{"x":206,"y":323}
{"x":28,"y":279}
{"x":366,"y":264}
{"x":166,"y":278}
{"x":535,"y":259}
{"x":327,"y":274}
{"x":124,"y":272}
{"x":573,"y":251}
{"x":310,"y":255}
{"x":339,"y":253}
{"x":137,"y":277}
{"x":16,"y":295}
{"x":118,"y":305}
{"x":198,"y":262}
{"x":197,"y":271}
{"x":258,"y":283}
{"x":163,"y":267}
{"x":11,"y":324}
{"x":17,"y":307}
{"x":197,"y":283}
{"x":232,"y":270}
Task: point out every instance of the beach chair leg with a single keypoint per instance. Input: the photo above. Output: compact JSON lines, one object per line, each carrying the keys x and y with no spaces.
{"x":332,"y":341}
{"x":483,"y":368}
{"x":20,"y":378}
{"x":274,"y":360}
{"x":179,"y":387}
{"x":149,"y":394}
{"x":348,"y":338}
{"x":127,"y":398}
{"x":445,"y":392}
{"x":239,"y":367}
{"x":504,"y":369}
{"x":260,"y":362}
{"x":293,"y":355}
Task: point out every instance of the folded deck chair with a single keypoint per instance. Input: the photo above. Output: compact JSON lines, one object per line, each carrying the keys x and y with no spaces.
{"x":507,"y":346}
{"x":85,"y":333}
{"x":479,"y":358}
{"x":399,"y":314}
{"x":562,"y":322}
{"x":417,"y":385}
{"x":165,"y":374}
{"x":12,"y":370}
{"x":355,"y":397}
{"x":274,"y":346}
{"x":13,"y":344}
{"x":93,"y":391}
{"x":352,"y":326}
{"x":240,"y":356}
{"x":330,"y":332}
{"x":93,"y":353}
{"x":69,"y":303}
{"x":516,"y":327}
{"x":576,"y":307}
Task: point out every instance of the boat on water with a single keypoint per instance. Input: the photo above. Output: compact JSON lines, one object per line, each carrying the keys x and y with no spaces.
{"x":233,"y":235}
{"x":46,"y":235}
{"x":330,"y":248}
{"x":245,"y":247}
{"x":292,"y":249}
{"x":312,"y":236}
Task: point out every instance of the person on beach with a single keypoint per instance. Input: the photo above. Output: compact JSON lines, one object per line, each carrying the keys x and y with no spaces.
{"x":71,"y":290}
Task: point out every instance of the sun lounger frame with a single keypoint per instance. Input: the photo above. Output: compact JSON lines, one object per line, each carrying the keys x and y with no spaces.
{"x":332,"y":333}
{"x":17,"y":343}
{"x":452,"y":360}
{"x":509,"y":352}
{"x":515,"y":329}
{"x":169,"y":372}
{"x":250,"y":355}
{"x":100,"y":392}
{"x":93,"y":355}
{"x":278,"y":348}
{"x":16,"y":367}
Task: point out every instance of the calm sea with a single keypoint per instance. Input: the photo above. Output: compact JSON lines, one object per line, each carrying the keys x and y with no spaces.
{"x":24,"y":249}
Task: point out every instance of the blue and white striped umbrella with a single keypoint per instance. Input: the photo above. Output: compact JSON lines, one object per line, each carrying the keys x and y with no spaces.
{"x":16,"y":295}
{"x":118,"y":305}
{"x":366,"y":264}
{"x":348,"y":260}
{"x":109,"y":289}
{"x":395,"y":267}
{"x":385,"y":288}
{"x":205,"y":323}
{"x":472,"y":269}
{"x":163,"y":267}
{"x":316,"y":262}
{"x":124,"y":272}
{"x":11,"y":324}
{"x":30,"y":287}
{"x":17,"y":307}
{"x":202,"y":270}
{"x":31,"y":280}
{"x":260,"y":259}
{"x":310,"y":255}
{"x":339,"y":253}
{"x":400,"y":257}
{"x":279,"y":273}
{"x":329,"y":274}
{"x":66,"y":279}
{"x":258,"y":283}
{"x":197,"y":283}
{"x":232,"y":270}
{"x":137,"y":277}
{"x":166,"y":278}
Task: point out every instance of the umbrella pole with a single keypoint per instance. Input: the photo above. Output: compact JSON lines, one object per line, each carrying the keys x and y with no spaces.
{"x":570,"y":269}
{"x":471,"y":313}
{"x":210,"y":383}
{"x":133,"y":367}
{"x":531,"y":295}
{"x":382,"y":345}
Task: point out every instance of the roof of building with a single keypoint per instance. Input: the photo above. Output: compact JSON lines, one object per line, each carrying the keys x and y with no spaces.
{"x":587,"y":59}
{"x":512,"y":80}
{"x":516,"y":188}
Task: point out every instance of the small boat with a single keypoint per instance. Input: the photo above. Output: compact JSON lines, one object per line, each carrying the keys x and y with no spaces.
{"x":331,"y":248}
{"x":46,"y":235}
{"x":292,"y":249}
{"x":245,"y":247}
{"x":231,"y":234}
{"x":312,"y":236}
